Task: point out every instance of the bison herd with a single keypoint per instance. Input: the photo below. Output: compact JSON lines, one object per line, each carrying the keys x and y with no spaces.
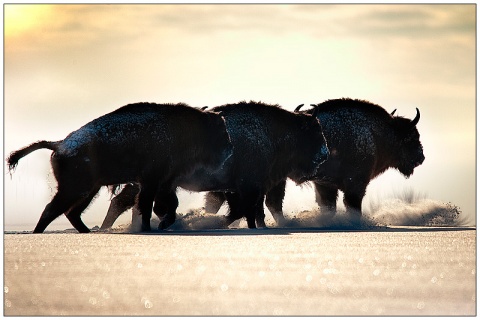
{"x":240,"y":153}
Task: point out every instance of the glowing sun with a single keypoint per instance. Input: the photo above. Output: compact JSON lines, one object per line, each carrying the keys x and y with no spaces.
{"x":20,"y":18}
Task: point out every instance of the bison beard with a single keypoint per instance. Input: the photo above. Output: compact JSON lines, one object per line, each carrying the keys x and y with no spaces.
{"x":270,"y":144}
{"x":145,"y":143}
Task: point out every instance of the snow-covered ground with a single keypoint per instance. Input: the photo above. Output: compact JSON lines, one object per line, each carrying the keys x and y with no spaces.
{"x":275,"y":271}
{"x":408,"y":256}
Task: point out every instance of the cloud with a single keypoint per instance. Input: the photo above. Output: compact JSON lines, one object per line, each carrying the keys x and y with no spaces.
{"x":87,"y":25}
{"x":418,"y":21}
{"x":366,"y":21}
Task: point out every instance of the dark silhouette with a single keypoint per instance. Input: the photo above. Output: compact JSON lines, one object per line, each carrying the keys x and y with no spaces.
{"x":270,"y":144}
{"x":364,"y":140}
{"x":149,"y":144}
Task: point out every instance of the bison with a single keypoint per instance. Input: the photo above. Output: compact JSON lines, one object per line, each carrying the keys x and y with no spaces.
{"x":269,"y":143}
{"x":364,"y":141}
{"x":145,"y":143}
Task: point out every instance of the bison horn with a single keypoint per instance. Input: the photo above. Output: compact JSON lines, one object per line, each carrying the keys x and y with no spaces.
{"x":298,"y":108}
{"x":393,"y":112}
{"x":203,"y":108}
{"x":417,"y":118}
{"x":313,"y":105}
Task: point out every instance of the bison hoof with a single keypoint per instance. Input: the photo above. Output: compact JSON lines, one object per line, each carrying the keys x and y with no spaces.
{"x":280,"y":220}
{"x":261,"y":223}
{"x":165,"y":223}
{"x":146,"y":228}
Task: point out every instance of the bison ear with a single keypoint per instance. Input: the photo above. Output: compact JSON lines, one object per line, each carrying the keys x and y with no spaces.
{"x":393,"y":112}
{"x":298,"y":108}
{"x":416,"y":119}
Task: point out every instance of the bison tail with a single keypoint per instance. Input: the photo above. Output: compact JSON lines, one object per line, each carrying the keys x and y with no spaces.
{"x":15,"y":156}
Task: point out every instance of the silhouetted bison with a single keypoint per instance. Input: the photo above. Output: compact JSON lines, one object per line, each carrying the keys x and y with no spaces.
{"x":364,"y":141}
{"x":150,"y":144}
{"x":270,"y":144}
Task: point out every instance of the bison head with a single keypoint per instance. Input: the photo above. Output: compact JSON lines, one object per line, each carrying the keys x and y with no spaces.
{"x":311,"y":149}
{"x":410,"y":150}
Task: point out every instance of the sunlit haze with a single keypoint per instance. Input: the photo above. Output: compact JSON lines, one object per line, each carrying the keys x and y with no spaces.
{"x":65,"y":65}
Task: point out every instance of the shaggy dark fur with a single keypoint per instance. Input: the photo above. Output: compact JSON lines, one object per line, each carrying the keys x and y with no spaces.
{"x":364,"y":141}
{"x":150,"y":144}
{"x":270,"y":144}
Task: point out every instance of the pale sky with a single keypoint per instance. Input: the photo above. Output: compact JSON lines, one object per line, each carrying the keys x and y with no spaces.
{"x":65,"y":65}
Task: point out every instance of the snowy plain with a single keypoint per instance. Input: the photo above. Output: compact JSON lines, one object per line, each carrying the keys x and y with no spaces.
{"x":408,"y":259}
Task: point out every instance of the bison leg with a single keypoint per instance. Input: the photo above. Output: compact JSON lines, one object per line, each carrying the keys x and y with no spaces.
{"x":145,"y":203}
{"x":354,"y":193}
{"x":274,"y":202}
{"x":237,"y":210}
{"x":326,"y":198}
{"x":160,"y":207}
{"x":234,"y":212}
{"x":249,"y":212}
{"x":252,"y":203}
{"x":259,"y":214}
{"x":246,"y":204}
{"x":166,"y":204}
{"x":73,"y":215}
{"x":213,"y":201}
{"x":119,"y":204}
{"x":353,"y":203}
{"x":61,"y":203}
